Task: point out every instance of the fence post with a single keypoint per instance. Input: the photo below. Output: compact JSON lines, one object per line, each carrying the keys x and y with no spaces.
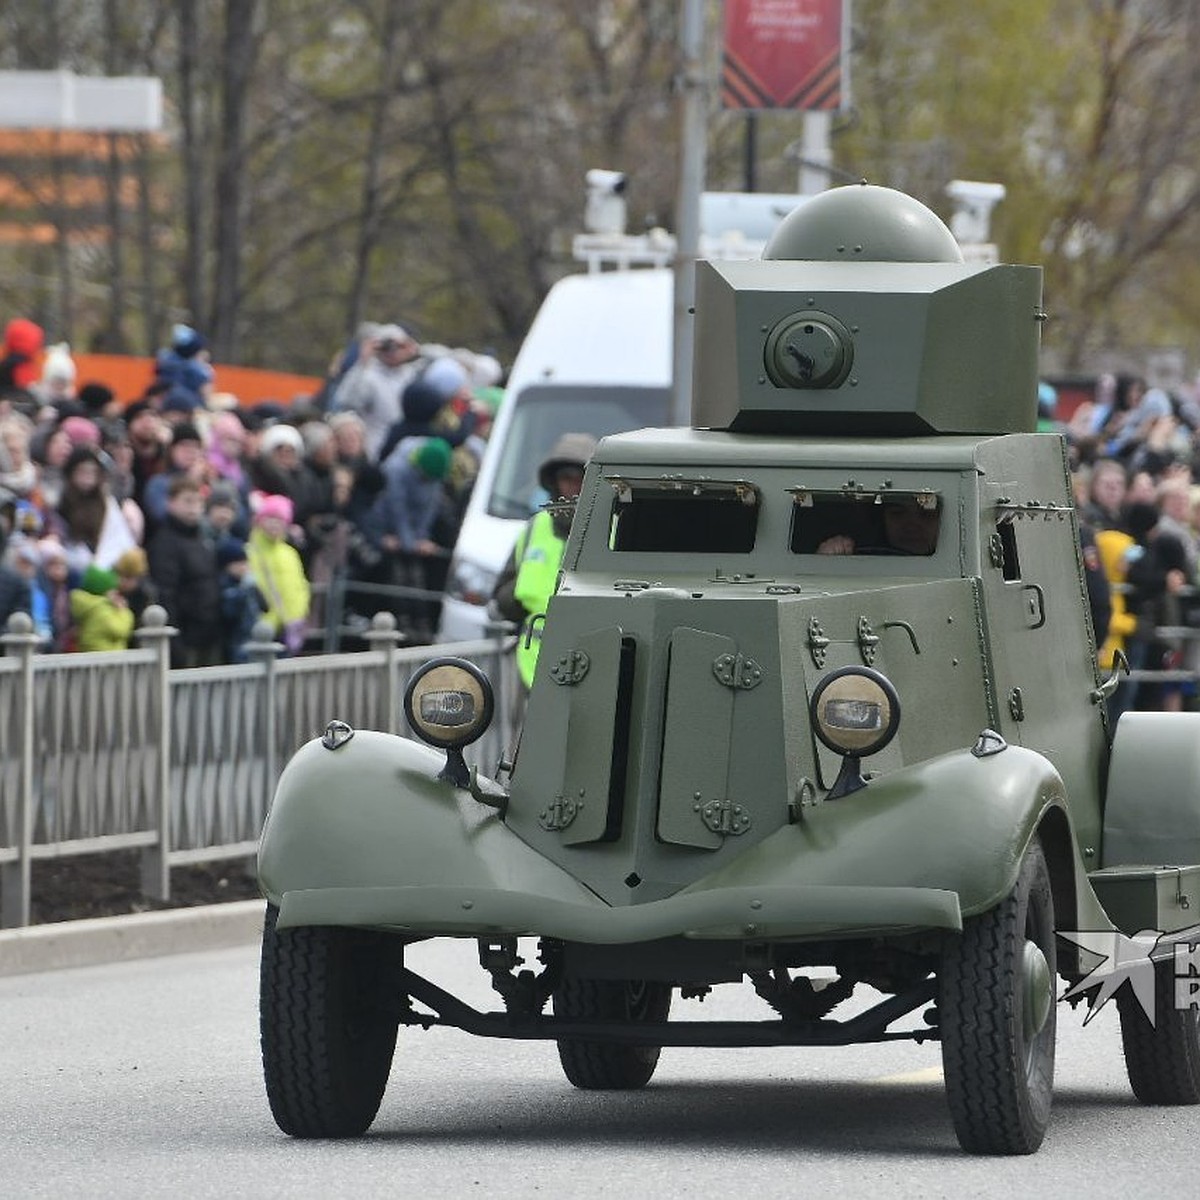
{"x":263,"y":648}
{"x":384,"y":634}
{"x":155,"y":633}
{"x":15,"y":902}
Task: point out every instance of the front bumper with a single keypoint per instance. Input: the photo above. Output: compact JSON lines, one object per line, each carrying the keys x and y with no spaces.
{"x":730,"y":913}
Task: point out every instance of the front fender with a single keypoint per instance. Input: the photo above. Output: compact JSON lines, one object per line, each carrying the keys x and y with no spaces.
{"x":373,"y":814}
{"x":955,"y":823}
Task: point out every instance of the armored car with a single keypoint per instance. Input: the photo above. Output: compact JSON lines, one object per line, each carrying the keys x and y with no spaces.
{"x":816,"y":712}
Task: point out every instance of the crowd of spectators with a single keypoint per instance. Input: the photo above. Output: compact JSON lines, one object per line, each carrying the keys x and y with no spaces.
{"x":1135,"y":458}
{"x":224,"y":513}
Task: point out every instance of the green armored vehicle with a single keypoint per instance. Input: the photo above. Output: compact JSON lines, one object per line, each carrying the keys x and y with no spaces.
{"x":816,"y":709}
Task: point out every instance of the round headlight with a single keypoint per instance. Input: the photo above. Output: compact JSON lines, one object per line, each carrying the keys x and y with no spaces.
{"x":449,"y":702}
{"x":855,"y":711}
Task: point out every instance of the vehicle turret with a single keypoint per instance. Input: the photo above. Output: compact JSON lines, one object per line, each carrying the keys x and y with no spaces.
{"x":862,"y":319}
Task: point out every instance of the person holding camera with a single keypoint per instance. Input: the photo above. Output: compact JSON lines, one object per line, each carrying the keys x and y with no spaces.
{"x":388,"y":361}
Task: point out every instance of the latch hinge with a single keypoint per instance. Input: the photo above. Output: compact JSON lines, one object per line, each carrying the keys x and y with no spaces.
{"x":560,"y":813}
{"x":737,"y":671}
{"x":724,"y":817}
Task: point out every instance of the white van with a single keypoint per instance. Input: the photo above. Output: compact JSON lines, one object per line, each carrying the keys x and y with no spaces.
{"x":597,"y":359}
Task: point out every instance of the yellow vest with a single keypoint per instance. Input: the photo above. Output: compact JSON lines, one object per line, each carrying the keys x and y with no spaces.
{"x":540,"y":555}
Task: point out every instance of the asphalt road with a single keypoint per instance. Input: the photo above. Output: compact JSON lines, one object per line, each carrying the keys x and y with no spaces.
{"x":142,"y":1079}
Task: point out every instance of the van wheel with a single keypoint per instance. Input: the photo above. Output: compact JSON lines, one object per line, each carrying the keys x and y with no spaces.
{"x":1163,"y":1059}
{"x":998,"y":1019}
{"x":610,"y":1065}
{"x":328,"y":1024}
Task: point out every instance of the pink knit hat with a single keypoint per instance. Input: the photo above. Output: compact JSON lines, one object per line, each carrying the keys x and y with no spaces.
{"x":275,"y":506}
{"x":81,"y":431}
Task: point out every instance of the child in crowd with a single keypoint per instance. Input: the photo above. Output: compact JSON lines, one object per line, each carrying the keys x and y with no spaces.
{"x":101,"y":614}
{"x":241,"y":602}
{"x":279,"y":571}
{"x":134,"y":582}
{"x":56,"y":583}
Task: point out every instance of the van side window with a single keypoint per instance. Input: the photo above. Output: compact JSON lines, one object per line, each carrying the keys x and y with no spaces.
{"x":684,"y":518}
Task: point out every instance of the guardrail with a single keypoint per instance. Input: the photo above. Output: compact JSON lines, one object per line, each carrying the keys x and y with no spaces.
{"x":108,"y":751}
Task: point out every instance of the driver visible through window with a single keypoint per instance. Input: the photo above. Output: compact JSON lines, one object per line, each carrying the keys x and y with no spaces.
{"x":869,"y":524}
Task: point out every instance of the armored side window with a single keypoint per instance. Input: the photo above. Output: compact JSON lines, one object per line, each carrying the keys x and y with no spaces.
{"x":679,"y":516}
{"x":898,"y":523}
{"x":1010,"y":560}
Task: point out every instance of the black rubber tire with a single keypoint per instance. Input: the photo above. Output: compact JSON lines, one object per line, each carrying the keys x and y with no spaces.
{"x":328,"y":1024}
{"x":999,"y":1076}
{"x":1163,"y":1059}
{"x":609,"y":1065}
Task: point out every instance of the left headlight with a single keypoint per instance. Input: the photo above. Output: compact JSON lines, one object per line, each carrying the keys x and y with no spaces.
{"x":449,"y":702}
{"x":855,"y":711}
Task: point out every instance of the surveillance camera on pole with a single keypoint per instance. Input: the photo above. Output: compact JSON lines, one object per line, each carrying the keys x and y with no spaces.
{"x":972,"y":218}
{"x":605,"y":209}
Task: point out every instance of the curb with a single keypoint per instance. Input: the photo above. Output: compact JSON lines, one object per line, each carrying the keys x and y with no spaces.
{"x":121,"y":939}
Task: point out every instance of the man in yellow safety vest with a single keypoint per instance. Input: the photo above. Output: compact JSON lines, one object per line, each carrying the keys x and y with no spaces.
{"x":525,"y":587}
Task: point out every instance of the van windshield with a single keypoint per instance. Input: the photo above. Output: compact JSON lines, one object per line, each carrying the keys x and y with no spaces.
{"x":543,"y":413}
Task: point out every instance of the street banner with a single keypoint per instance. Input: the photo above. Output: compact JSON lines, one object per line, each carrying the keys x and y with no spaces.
{"x":785,"y":54}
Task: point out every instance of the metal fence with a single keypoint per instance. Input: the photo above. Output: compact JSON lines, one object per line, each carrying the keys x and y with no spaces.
{"x":116,"y":751}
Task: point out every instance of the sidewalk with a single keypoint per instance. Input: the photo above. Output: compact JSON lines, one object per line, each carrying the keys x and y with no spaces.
{"x":118,"y":939}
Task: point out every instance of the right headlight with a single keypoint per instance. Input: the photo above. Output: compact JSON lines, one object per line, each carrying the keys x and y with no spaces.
{"x":855,"y":711}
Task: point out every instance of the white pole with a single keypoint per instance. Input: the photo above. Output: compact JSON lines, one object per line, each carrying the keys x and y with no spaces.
{"x":692,"y":154}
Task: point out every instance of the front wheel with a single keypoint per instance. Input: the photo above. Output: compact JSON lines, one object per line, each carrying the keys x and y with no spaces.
{"x":610,"y":1065}
{"x":1162,"y":1058}
{"x":328,"y":1021}
{"x":998,"y":1019}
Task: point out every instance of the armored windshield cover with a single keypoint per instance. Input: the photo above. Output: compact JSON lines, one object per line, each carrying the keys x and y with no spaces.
{"x":862,"y":319}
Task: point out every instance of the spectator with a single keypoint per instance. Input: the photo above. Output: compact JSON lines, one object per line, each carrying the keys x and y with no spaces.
{"x":277,"y":469}
{"x":224,"y":512}
{"x":134,"y":582}
{"x":27,"y":562}
{"x":50,"y":452}
{"x":1157,"y":573}
{"x":102,"y":616}
{"x":88,"y":520}
{"x":429,"y":407}
{"x":279,"y":572}
{"x":184,"y":365}
{"x":1103,"y":510}
{"x":17,"y":471}
{"x":19,"y":355}
{"x":185,"y":456}
{"x":387,"y":363}
{"x":183,"y":565}
{"x":241,"y":602}
{"x":57,"y":385}
{"x":149,"y":438}
{"x":15,"y":595}
{"x":56,"y":582}
{"x":227,"y":438}
{"x":99,"y":402}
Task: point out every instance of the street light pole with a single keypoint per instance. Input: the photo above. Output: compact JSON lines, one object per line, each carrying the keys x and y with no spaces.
{"x":692,"y":85}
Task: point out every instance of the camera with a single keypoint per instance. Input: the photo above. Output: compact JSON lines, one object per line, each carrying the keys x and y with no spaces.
{"x":604,"y":212}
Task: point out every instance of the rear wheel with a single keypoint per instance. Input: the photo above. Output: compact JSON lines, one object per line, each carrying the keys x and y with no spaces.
{"x":1163,"y":1058}
{"x":998,"y":1019}
{"x":328,"y":1019}
{"x":610,"y":1065}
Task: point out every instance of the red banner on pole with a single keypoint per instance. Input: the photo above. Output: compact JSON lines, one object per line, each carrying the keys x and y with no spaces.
{"x":784,"y":54}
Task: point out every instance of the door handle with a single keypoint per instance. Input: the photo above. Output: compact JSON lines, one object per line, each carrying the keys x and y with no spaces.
{"x":1035,"y":604}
